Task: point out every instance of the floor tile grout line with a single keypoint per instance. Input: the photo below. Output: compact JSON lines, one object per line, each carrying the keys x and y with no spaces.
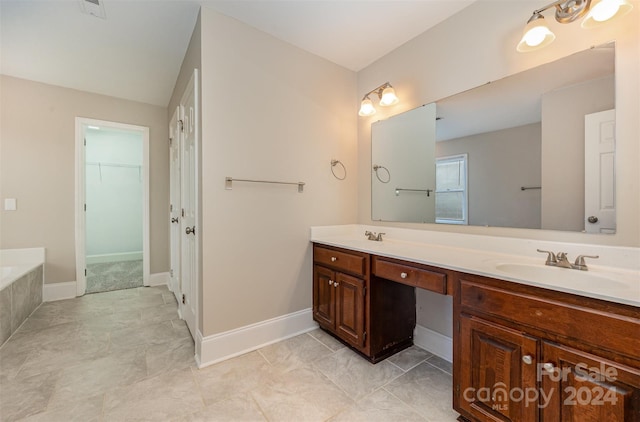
{"x":437,"y":367}
{"x":392,"y":363}
{"x":20,"y":326}
{"x":416,"y":411}
{"x":198,"y":387}
{"x":322,"y":343}
{"x":353,"y":401}
{"x":262,"y":412}
{"x":417,"y":364}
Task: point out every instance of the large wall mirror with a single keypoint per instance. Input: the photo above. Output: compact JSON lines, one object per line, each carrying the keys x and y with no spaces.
{"x":533,"y":150}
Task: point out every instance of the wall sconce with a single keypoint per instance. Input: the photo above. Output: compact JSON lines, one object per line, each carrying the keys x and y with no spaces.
{"x":538,"y":35}
{"x":387,"y":97}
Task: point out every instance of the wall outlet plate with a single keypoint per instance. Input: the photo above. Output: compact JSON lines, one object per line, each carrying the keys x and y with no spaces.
{"x":10,"y":204}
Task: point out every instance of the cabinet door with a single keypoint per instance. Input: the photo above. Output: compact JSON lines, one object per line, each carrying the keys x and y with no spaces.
{"x":498,"y":372}
{"x":350,"y":309}
{"x":324,"y":297}
{"x":581,"y":387}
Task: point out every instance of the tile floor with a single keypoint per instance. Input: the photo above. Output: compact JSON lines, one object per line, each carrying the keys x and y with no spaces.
{"x":124,"y":356}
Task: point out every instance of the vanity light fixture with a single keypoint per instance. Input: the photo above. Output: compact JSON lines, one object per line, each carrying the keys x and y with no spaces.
{"x":537,"y":34}
{"x":387,"y":97}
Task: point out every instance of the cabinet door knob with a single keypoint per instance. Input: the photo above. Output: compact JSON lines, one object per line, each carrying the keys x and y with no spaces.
{"x":548,"y":367}
{"x":330,"y":282}
{"x":335,"y":284}
{"x":403,"y":275}
{"x":334,"y":259}
{"x":527,"y":359}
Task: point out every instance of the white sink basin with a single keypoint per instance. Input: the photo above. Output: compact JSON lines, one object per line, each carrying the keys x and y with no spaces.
{"x":573,"y":279}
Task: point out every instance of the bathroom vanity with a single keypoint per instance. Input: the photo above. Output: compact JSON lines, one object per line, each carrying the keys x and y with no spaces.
{"x":526,"y":346}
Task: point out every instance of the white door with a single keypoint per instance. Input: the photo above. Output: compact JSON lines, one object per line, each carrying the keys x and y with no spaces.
{"x":175,"y":140}
{"x":189,"y":204}
{"x":599,"y":172}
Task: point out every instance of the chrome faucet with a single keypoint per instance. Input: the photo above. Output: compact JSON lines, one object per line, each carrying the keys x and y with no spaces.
{"x":373,"y":236}
{"x":561,"y":260}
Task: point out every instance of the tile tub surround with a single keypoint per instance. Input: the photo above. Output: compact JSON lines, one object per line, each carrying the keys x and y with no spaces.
{"x":21,"y":288}
{"x":18,"y":300}
{"x":477,"y":254}
{"x":124,"y":355}
{"x":14,"y":263}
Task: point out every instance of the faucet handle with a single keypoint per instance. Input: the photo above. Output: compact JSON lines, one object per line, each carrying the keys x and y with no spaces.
{"x":379,"y":238}
{"x":551,"y":257}
{"x":580,"y":264}
{"x":370,"y":235}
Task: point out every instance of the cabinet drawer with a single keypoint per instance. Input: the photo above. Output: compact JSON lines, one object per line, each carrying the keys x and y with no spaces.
{"x":340,"y":260}
{"x":412,"y":275}
{"x":554,"y":316}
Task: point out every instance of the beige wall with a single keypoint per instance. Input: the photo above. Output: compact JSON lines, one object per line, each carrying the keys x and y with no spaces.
{"x":270,"y":111}
{"x":478,"y":45}
{"x":499,"y":163}
{"x":37,"y":166}
{"x":192,"y":60}
{"x":563,"y":112}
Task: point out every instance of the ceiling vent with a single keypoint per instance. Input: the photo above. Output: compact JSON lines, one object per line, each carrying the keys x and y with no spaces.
{"x":93,"y":8}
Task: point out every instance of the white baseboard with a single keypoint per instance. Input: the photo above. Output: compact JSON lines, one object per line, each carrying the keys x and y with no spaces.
{"x":114,"y":257}
{"x":433,"y":342}
{"x":219,"y":347}
{"x":159,"y":279}
{"x":58,"y":291}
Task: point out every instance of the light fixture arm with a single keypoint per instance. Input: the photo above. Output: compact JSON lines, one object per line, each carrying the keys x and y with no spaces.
{"x":566,"y":10}
{"x":377,"y":90}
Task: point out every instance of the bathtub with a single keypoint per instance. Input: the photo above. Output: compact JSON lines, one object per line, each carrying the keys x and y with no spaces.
{"x":13,"y":272}
{"x":21,"y":284}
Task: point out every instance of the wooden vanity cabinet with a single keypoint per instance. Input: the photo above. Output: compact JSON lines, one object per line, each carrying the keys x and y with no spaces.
{"x":411,"y":274}
{"x":529,"y":354}
{"x":374,"y":316}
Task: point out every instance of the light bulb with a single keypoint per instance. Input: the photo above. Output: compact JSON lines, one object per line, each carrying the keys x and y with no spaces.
{"x":388,"y":97}
{"x":366,"y":108}
{"x":536,"y":35}
{"x":606,"y":10}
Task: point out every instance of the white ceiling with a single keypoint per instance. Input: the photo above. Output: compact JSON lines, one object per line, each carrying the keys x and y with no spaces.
{"x":136,"y":52}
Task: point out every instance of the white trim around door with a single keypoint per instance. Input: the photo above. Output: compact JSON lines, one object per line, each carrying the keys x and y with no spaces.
{"x":80,"y":197}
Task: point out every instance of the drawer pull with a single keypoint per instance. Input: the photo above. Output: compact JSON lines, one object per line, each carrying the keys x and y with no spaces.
{"x":334,"y":259}
{"x":404,"y":275}
{"x":527,"y":359}
{"x":548,"y":367}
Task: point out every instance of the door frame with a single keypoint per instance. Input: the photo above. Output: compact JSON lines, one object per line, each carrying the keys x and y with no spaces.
{"x":192,"y":87}
{"x":175,"y":233}
{"x":80,"y":198}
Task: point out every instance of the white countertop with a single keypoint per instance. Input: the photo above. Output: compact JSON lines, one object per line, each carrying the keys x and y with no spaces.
{"x":614,"y":277}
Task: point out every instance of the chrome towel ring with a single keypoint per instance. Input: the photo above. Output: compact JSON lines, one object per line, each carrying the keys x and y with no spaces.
{"x":335,"y":163}
{"x":377,"y":167}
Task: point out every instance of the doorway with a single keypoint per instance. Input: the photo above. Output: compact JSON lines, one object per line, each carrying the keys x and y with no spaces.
{"x":112,"y":212}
